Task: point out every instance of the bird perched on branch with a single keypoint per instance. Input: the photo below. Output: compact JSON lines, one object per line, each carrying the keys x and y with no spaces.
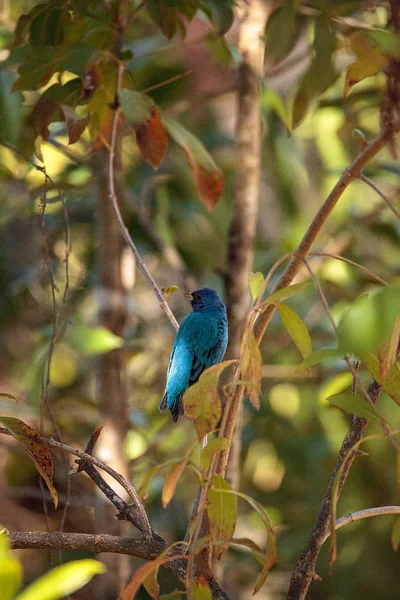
{"x":200,"y":342}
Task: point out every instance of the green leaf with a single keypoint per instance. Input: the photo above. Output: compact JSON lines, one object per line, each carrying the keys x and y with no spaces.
{"x":212,"y":447}
{"x":10,"y":570}
{"x":354,"y":405}
{"x":64,"y":580}
{"x":270,"y":558}
{"x":35,"y":448}
{"x":221,"y":510}
{"x":202,"y":404}
{"x":286,"y":292}
{"x":222,"y":15}
{"x":371,"y":59}
{"x":198,"y":590}
{"x":207,"y":175}
{"x":219,"y":49}
{"x":93,"y":340}
{"x":40,"y":67}
{"x":151,"y":585}
{"x":391,"y":381}
{"x":280,"y":30}
{"x":321,"y":73}
{"x":296,"y":329}
{"x":369,"y":320}
{"x":256,"y":282}
{"x":316,"y":357}
{"x":251,"y":367}
{"x":136,"y":106}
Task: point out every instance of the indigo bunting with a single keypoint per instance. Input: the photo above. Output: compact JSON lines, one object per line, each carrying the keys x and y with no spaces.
{"x":200,"y":342}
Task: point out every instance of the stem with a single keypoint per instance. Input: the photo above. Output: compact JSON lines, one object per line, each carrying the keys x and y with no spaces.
{"x":363,"y":514}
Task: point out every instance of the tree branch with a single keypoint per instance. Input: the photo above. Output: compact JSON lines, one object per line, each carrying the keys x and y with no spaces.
{"x":113,"y":199}
{"x":148,"y":549}
{"x":363,"y":514}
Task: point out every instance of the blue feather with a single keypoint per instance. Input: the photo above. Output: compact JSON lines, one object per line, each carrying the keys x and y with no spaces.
{"x":200,"y":342}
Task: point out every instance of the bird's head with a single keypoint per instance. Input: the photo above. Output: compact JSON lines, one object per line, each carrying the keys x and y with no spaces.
{"x":205,"y":299}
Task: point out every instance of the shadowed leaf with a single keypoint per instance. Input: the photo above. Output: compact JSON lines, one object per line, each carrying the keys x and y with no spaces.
{"x":391,"y":382}
{"x":371,"y":59}
{"x":221,"y":510}
{"x":296,"y":329}
{"x":173,"y":475}
{"x":354,"y":405}
{"x":35,"y":448}
{"x":395,"y":537}
{"x":75,"y":124}
{"x":207,"y":175}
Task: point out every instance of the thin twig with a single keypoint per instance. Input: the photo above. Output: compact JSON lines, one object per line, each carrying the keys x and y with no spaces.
{"x":381,"y":194}
{"x":352,"y":263}
{"x":363,"y":514}
{"x":114,"y":200}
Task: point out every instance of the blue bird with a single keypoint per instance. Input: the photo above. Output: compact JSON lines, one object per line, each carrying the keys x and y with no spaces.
{"x":200,"y":342}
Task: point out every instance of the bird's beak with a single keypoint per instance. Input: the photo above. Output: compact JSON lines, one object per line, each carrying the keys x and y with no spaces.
{"x":188,"y":296}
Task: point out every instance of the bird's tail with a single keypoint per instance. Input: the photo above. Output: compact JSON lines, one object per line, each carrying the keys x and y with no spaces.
{"x":163,"y":404}
{"x":176,"y":407}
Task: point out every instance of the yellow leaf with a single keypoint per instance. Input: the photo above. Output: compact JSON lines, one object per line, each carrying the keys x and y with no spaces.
{"x":202,"y":404}
{"x":296,"y":329}
{"x":251,"y":367}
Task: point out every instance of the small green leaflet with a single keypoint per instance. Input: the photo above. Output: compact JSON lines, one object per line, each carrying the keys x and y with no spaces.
{"x":296,"y":329}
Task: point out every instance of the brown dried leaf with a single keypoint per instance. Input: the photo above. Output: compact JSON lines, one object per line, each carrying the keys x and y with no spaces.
{"x":75,"y":124}
{"x":152,"y":139}
{"x":35,"y":448}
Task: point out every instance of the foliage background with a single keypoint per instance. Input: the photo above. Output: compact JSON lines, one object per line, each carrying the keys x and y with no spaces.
{"x":289,"y":447}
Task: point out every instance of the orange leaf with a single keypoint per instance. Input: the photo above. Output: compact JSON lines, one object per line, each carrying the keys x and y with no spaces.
{"x":152,"y":139}
{"x":35,"y":447}
{"x":207,"y":175}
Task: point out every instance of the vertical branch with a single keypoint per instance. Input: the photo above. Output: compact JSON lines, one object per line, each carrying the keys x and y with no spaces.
{"x":247,"y":186}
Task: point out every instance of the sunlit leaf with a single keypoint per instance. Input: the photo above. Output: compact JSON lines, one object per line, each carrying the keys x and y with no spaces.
{"x":35,"y":448}
{"x":152,"y":473}
{"x":317,"y":357}
{"x":93,"y":340}
{"x":207,"y":175}
{"x":354,"y":405}
{"x":251,"y":367}
{"x":198,"y":590}
{"x":296,"y":329}
{"x":371,"y":59}
{"x":63,"y":580}
{"x":212,"y":447}
{"x":286,"y":292}
{"x":10,"y":570}
{"x":166,"y":292}
{"x":256,"y":282}
{"x":221,"y":510}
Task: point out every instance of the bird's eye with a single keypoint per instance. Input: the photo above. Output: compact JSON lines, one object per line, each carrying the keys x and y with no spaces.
{"x":197,"y":297}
